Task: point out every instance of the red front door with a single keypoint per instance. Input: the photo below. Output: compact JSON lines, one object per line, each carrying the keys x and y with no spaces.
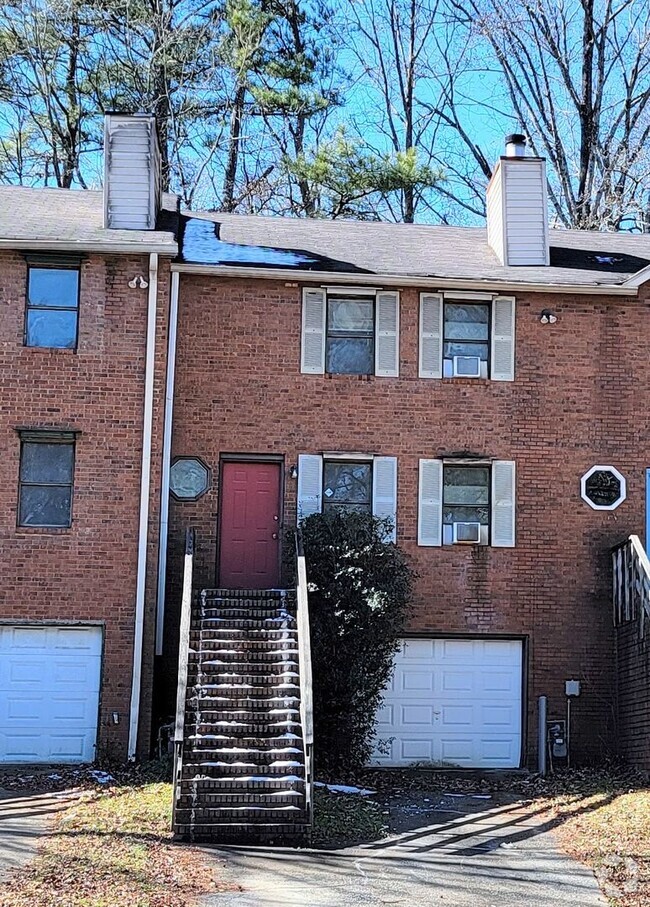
{"x":249,"y":538}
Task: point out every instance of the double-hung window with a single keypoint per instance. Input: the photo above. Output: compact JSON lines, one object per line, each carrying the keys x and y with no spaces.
{"x":348,"y":482}
{"x":467,"y":337}
{"x":350,"y":332}
{"x":466,"y":502}
{"x":51,"y":318}
{"x":46,"y":479}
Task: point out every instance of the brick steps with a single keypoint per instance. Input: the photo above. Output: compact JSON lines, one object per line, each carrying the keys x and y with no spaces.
{"x":243,"y":774}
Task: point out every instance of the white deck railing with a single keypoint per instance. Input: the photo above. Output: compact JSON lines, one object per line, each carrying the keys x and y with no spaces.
{"x":183,"y":661}
{"x":304,"y":656}
{"x":631,"y":583}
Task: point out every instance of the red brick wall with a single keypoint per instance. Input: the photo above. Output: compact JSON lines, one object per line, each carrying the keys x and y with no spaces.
{"x":578,"y":400}
{"x":87,"y":572}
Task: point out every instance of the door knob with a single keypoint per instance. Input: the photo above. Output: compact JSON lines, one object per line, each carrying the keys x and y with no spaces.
{"x":274,"y":536}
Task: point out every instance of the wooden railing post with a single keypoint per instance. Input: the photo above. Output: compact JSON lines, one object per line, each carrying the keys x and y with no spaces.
{"x":183,"y":663}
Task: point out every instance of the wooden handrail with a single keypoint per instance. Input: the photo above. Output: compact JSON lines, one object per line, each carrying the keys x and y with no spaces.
{"x":304,"y":656}
{"x":183,"y":661}
{"x":631,"y":582}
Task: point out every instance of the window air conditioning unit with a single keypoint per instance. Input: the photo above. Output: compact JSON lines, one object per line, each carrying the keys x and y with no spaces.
{"x":467,"y":532}
{"x":467,"y":367}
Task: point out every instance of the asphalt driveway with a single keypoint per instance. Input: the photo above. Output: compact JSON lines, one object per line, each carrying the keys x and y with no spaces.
{"x":462,"y":852}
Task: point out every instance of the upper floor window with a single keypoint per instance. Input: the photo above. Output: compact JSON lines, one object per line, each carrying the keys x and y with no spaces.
{"x":463,"y":502}
{"x":52,"y":305}
{"x":350,"y":332}
{"x":46,"y":479}
{"x":467,"y":338}
{"x":349,"y":346}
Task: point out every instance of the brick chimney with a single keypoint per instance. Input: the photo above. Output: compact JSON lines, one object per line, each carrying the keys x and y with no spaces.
{"x":131,"y":171}
{"x":517,"y":215}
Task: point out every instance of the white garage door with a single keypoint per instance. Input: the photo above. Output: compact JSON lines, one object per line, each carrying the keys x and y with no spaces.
{"x":49,"y":693}
{"x":454,"y":701}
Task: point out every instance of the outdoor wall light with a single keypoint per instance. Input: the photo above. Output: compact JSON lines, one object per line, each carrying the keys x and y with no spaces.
{"x":547,"y":317}
{"x":293,"y":472}
{"x":139,"y":281}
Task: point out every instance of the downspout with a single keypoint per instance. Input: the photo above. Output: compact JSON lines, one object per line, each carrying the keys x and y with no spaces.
{"x":145,"y":485}
{"x":166,"y":460}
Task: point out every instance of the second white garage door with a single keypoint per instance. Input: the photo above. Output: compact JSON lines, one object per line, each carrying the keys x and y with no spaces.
{"x":453,"y":701}
{"x":49,"y":693}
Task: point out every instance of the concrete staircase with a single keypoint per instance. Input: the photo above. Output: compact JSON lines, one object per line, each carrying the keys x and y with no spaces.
{"x":243,"y":771}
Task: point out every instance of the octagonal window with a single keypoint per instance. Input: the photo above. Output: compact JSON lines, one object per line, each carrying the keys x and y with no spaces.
{"x":189,"y":478}
{"x":603,"y":488}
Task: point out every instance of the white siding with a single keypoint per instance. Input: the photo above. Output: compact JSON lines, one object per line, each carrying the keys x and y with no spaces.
{"x":495,"y":213}
{"x":131,"y":172}
{"x":517,"y":212}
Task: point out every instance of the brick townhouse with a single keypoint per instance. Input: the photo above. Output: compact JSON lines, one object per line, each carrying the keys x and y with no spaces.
{"x":484,"y":389}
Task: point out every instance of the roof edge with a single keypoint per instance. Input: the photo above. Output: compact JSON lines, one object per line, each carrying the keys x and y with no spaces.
{"x":48,"y":245}
{"x":365,"y":279}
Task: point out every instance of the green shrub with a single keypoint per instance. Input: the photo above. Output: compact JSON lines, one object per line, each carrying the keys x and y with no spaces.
{"x":359,"y":592}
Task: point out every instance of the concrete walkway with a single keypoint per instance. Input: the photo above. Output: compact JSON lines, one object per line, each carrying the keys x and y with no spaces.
{"x":24,"y":819}
{"x":503,"y":856}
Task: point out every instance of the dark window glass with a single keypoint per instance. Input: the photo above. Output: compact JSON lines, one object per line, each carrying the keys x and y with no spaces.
{"x":466,"y":495}
{"x":347,"y":486}
{"x":350,"y":336}
{"x":467,"y":330}
{"x":46,"y":475}
{"x":52,"y":304}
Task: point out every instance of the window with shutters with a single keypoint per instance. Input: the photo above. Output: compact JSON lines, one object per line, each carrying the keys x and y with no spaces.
{"x":361,"y":482}
{"x":464,"y":502}
{"x":46,"y":478}
{"x":467,"y":339}
{"x":350,"y":333}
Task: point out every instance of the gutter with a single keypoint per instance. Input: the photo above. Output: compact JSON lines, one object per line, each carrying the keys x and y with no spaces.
{"x":145,"y":487}
{"x":166,"y":462}
{"x":425,"y":282}
{"x":126,"y":248}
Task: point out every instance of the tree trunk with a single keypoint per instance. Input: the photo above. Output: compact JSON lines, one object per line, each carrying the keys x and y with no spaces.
{"x":228,"y":194}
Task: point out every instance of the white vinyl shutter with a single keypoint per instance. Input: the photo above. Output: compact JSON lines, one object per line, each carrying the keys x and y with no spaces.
{"x":384,"y":491}
{"x":387,"y":335}
{"x":503,"y":339}
{"x":431,"y":314}
{"x":503,"y":504}
{"x":310,"y":485}
{"x":430,"y":503}
{"x":312,"y":357}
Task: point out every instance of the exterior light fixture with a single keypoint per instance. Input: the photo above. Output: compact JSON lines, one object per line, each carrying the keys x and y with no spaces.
{"x":139,"y":281}
{"x":547,"y":317}
{"x":293,"y":472}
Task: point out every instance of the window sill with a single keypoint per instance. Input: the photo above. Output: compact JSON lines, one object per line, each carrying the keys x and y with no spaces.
{"x":43,"y":530}
{"x":343,"y":376}
{"x":50,"y":350}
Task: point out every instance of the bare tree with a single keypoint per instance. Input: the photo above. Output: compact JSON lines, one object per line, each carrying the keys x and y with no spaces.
{"x":576,"y":76}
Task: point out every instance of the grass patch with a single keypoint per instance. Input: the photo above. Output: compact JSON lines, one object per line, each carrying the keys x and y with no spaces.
{"x":346,"y":819}
{"x":610,"y":831}
{"x":113,"y":849}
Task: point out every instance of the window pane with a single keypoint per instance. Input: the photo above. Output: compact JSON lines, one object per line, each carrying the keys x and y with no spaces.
{"x":350,"y":356}
{"x":466,"y":349}
{"x":466,"y":485}
{"x":466,"y":322}
{"x":347,"y":483}
{"x":46,"y":463}
{"x":45,"y":505}
{"x":55,"y":329}
{"x":51,"y":286}
{"x":350,"y":316}
{"x":465,"y":515}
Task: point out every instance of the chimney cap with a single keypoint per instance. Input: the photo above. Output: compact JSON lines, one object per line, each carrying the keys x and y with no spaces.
{"x":516,"y":138}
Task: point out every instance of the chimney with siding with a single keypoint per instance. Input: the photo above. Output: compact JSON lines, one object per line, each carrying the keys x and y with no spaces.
{"x":131,"y":171}
{"x":517,"y":216}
